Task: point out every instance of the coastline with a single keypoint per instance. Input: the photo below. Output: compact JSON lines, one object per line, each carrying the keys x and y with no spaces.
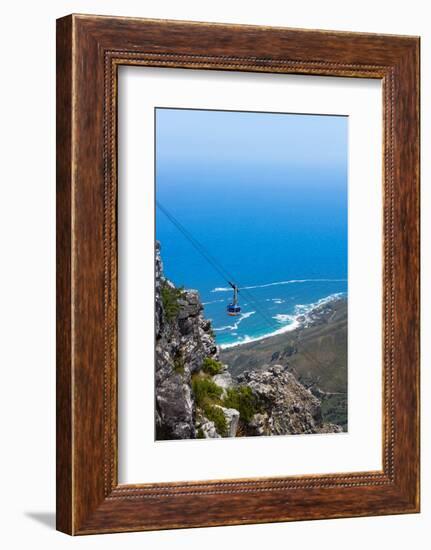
{"x":305,"y":316}
{"x":315,"y":351}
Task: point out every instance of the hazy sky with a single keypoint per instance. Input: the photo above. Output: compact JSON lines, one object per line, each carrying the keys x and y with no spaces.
{"x":204,"y":141}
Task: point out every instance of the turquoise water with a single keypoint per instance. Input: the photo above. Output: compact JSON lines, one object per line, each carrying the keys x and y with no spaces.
{"x":266,"y":195}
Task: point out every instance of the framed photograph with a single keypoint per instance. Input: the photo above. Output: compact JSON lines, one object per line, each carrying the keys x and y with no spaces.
{"x":237,"y":274}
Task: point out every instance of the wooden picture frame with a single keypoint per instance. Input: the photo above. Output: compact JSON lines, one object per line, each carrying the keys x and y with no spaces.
{"x":89,"y":52}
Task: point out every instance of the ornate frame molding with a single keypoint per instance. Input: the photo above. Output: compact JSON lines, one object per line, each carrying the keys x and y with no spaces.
{"x":90,"y":49}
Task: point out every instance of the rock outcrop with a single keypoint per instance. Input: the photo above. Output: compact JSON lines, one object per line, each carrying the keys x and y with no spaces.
{"x":206,"y":428}
{"x":224,"y":380}
{"x":284,"y":405}
{"x":232,"y":420}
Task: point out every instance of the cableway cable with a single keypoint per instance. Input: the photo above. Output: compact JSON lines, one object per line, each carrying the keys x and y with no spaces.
{"x":228,"y":277}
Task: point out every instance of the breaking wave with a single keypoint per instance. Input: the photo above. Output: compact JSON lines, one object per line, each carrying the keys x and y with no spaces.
{"x":235,"y":326}
{"x":213,"y":302}
{"x":289,"y":282}
{"x":288,"y":321}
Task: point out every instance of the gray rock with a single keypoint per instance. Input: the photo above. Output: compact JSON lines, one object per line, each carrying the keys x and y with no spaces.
{"x":190,"y":305}
{"x":174,"y":409}
{"x":224,"y":380}
{"x":208,"y":429}
{"x":286,"y":406}
{"x":182,"y":343}
{"x":232,"y":420}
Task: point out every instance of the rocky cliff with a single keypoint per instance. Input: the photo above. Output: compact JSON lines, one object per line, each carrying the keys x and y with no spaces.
{"x":284,"y":405}
{"x":183,"y":340}
{"x":195,"y":394}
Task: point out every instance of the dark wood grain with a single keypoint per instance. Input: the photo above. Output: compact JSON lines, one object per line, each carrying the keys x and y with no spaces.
{"x":64,"y":288}
{"x":90,"y":49}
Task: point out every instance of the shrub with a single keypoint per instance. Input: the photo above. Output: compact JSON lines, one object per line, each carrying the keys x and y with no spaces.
{"x":217,"y":416}
{"x":205,"y":391}
{"x":243,"y":400}
{"x":207,"y":396}
{"x":170,"y":297}
{"x":211,"y":366}
{"x":200,"y":434}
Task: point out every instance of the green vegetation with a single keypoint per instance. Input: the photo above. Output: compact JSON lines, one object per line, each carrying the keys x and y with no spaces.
{"x":211,"y":366}
{"x":206,"y":391}
{"x":207,"y":396}
{"x":170,"y":297}
{"x":243,"y":400}
{"x":200,"y":434}
{"x":334,"y":409}
{"x":217,"y":416}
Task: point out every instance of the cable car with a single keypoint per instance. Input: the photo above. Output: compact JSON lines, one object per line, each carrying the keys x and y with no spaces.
{"x":234,"y":308}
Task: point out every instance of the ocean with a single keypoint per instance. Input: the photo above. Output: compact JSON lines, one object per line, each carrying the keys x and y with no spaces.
{"x":270,"y":206}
